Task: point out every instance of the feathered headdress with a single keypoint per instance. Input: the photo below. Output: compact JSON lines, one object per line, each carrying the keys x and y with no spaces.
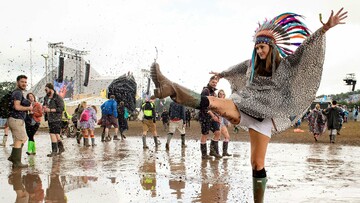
{"x":281,"y":32}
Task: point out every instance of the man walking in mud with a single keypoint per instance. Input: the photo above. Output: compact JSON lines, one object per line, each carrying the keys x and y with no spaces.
{"x":333,"y":115}
{"x":177,"y":121}
{"x":149,"y":121}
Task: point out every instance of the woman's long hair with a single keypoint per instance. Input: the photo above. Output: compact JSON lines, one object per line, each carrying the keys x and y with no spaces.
{"x":264,"y":67}
{"x":28,"y":96}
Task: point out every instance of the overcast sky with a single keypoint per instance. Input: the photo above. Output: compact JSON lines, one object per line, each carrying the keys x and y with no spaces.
{"x":193,"y":37}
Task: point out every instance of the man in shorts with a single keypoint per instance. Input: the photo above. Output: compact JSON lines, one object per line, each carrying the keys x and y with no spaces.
{"x":149,"y":121}
{"x":109,"y":117}
{"x":209,"y":121}
{"x":53,"y":107}
{"x":19,"y":106}
{"x":177,"y":121}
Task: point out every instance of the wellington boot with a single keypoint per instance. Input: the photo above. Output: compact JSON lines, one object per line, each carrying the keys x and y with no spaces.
{"x":165,"y":88}
{"x":34,"y":148}
{"x":225,"y":149}
{"x":103,"y":137}
{"x":30,"y":147}
{"x":11,"y":157}
{"x":61,"y":147}
{"x":156,"y":141}
{"x":54,"y":149}
{"x":259,"y":185}
{"x":17,"y":159}
{"x":204,"y":154}
{"x":93,"y":141}
{"x":3,"y":144}
{"x":183,"y":145}
{"x":78,"y":137}
{"x":167,"y":145}
{"x":144,"y":142}
{"x":108,"y":138}
{"x":86,"y":142}
{"x":123,"y":137}
{"x":214,"y":149}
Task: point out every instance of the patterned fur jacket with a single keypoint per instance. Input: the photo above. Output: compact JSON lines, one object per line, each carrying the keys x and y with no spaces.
{"x":289,"y":92}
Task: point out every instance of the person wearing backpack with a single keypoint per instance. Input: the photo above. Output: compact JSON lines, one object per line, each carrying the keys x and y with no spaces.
{"x":149,"y":121}
{"x":87,"y":124}
{"x":109,"y":117}
{"x":316,"y":122}
{"x":53,"y":107}
{"x":32,"y":123}
{"x":123,"y":115}
{"x":16,"y":121}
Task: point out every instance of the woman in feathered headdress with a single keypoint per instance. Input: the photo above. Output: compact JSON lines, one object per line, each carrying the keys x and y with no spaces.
{"x":270,"y":91}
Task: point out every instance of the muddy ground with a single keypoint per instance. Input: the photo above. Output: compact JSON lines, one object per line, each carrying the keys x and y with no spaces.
{"x":298,"y":169}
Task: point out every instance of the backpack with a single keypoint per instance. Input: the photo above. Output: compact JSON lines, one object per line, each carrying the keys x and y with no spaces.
{"x":6,"y":105}
{"x":356,"y":113}
{"x":126,"y":113}
{"x":85,"y":116}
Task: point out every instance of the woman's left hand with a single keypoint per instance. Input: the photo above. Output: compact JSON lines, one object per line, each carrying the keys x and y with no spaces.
{"x":216,"y":74}
{"x":335,"y":20}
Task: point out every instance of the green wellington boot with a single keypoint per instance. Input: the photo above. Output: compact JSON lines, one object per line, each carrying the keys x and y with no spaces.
{"x":31,"y":148}
{"x":259,"y":185}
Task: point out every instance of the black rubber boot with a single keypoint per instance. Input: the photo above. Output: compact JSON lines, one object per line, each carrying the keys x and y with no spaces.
{"x":259,"y":185}
{"x":204,"y":154}
{"x":183,"y":140}
{"x":156,"y":141}
{"x":225,"y":149}
{"x":11,"y":157}
{"x":167,"y":145}
{"x":116,"y":138}
{"x":214,"y":149}
{"x":61,"y":147}
{"x":17,"y":158}
{"x":123,"y":137}
{"x":54,"y":147}
{"x":78,"y":137}
{"x":144,"y":142}
{"x":103,"y":135}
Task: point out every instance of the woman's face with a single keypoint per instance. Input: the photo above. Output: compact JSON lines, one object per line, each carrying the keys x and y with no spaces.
{"x":262,"y":50}
{"x":221,"y":94}
{"x":31,"y":98}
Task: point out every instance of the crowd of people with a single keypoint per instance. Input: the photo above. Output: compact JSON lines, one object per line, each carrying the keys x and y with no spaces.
{"x":331,"y":118}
